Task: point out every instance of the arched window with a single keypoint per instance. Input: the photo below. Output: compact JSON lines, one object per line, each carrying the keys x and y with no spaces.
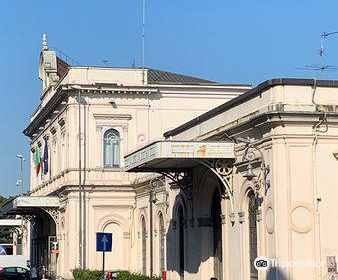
{"x":111,"y":148}
{"x":252,"y":210}
{"x":161,"y":242}
{"x":181,"y":241}
{"x":144,"y":247}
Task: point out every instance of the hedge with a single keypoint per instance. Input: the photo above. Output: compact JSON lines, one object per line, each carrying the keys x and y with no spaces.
{"x":125,"y":275}
{"x":87,"y":274}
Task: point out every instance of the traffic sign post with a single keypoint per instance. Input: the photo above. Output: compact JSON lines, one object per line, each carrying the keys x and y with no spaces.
{"x":104,"y":242}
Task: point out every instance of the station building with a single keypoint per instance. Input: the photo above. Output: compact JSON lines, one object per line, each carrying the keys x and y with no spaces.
{"x":186,"y":189}
{"x":253,"y":177}
{"x":88,"y":119}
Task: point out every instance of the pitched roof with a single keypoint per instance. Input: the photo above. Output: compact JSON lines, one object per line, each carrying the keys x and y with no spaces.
{"x":164,"y":77}
{"x":62,"y":67}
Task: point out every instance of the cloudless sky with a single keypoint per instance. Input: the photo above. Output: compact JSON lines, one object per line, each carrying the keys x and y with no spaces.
{"x":240,"y":41}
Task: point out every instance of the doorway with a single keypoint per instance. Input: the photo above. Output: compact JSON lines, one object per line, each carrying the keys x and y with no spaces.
{"x":216,"y":213}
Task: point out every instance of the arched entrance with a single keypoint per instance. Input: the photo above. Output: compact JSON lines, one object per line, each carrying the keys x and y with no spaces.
{"x":216,"y":213}
{"x":252,"y":210}
{"x":43,"y":236}
{"x":181,"y":241}
{"x":144,"y":246}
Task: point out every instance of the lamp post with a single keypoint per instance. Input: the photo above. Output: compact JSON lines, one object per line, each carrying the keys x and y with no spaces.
{"x":22,"y":159}
{"x":154,"y":183}
{"x":78,"y":89}
{"x":19,"y":183}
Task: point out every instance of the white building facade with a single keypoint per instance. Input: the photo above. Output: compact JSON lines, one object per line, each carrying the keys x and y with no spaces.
{"x":101,"y":114}
{"x":254,"y":177}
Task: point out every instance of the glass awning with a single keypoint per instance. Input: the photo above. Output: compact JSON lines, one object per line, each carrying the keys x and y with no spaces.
{"x":28,"y":204}
{"x":174,"y":156}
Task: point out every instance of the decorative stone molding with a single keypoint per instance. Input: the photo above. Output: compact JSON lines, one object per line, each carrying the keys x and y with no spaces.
{"x":113,"y":116}
{"x":223,"y":219}
{"x":301,"y":215}
{"x":126,"y":235}
{"x":30,"y":219}
{"x":241,"y":217}
{"x":113,"y":218}
{"x":269,"y":219}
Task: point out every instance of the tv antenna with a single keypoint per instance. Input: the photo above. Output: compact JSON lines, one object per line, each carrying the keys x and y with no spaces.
{"x":324,"y":36}
{"x":318,"y":67}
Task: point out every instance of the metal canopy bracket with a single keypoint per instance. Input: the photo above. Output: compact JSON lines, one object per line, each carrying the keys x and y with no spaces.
{"x":54,"y":213}
{"x":222,"y":168}
{"x":183,"y":180}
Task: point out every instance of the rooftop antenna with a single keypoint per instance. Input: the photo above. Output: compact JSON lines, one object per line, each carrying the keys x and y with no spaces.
{"x":133,"y":63}
{"x":143,"y":36}
{"x":323,"y":36}
{"x":318,"y":67}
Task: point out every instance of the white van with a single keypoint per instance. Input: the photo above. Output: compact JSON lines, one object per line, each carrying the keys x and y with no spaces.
{"x":17,"y":261}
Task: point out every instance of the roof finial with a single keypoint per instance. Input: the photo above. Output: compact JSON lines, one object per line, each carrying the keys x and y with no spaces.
{"x":44,"y":43}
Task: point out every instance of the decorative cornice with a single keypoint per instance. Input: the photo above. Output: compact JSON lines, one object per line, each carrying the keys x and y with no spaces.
{"x":113,"y":116}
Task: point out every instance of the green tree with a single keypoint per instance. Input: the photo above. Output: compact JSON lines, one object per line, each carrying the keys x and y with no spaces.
{"x":5,"y":234}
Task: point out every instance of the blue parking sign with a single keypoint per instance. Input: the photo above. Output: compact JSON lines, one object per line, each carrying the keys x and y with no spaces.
{"x":104,"y":242}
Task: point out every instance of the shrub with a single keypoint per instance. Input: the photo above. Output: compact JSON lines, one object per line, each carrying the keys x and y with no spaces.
{"x":87,"y":274}
{"x":125,"y":275}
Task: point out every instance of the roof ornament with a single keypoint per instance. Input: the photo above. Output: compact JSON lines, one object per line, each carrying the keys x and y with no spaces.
{"x":44,"y":43}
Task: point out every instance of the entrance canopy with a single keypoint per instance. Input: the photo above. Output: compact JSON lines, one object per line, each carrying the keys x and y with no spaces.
{"x":175,"y":156}
{"x":28,"y":204}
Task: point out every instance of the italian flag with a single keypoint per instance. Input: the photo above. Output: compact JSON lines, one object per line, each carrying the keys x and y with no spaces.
{"x":37,"y":160}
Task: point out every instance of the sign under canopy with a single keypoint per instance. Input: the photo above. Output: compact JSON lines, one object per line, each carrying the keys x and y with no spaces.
{"x":27,"y":204}
{"x":174,"y":156}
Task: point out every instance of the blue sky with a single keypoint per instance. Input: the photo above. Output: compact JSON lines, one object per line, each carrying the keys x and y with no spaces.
{"x":227,"y":41}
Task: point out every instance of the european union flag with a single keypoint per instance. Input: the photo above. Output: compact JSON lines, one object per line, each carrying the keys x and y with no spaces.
{"x":45,"y":159}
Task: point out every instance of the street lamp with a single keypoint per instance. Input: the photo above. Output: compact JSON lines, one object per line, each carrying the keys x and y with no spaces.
{"x":249,"y":175}
{"x":18,"y":183}
{"x":22,"y":159}
{"x":154,"y":183}
{"x":81,"y":241}
{"x":252,"y":153}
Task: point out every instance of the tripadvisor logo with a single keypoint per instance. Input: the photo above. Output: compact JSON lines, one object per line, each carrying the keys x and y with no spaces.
{"x":261,"y":263}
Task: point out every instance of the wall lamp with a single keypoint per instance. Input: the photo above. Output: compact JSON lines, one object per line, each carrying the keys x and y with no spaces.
{"x":252,"y":153}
